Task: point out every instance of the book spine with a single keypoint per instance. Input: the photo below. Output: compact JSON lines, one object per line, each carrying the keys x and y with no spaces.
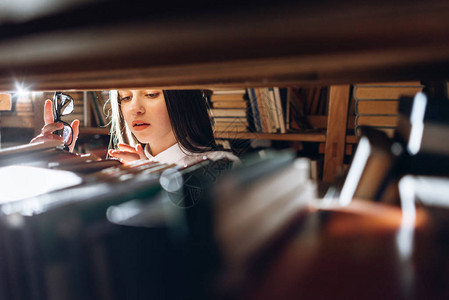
{"x":375,"y":107}
{"x":279,"y":110}
{"x":384,"y":92}
{"x":273,"y":111}
{"x":256,"y":112}
{"x":263,"y":108}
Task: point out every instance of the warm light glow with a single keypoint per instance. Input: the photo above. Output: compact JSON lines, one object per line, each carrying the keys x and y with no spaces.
{"x":21,"y":182}
{"x":21,"y":90}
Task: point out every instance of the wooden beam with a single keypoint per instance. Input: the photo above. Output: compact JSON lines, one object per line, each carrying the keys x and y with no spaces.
{"x":282,"y":44}
{"x":336,"y":131}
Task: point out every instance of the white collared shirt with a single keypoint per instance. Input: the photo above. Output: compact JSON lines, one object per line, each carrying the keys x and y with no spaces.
{"x":182,"y":157}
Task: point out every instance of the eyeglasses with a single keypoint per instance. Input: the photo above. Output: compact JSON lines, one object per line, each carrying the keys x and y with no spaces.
{"x":62,"y":106}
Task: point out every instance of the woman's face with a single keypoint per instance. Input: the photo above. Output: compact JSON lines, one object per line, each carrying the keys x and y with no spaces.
{"x":146,"y":115}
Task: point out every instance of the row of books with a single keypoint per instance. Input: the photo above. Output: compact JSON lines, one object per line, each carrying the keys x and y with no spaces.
{"x":79,"y":227}
{"x":254,"y":231}
{"x":252,"y":109}
{"x":267,"y":109}
{"x":417,"y":147}
{"x":376,"y":104}
{"x":229,"y":110}
{"x":402,"y":182}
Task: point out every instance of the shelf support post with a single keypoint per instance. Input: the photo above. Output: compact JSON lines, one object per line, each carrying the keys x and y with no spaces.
{"x":336,"y":131}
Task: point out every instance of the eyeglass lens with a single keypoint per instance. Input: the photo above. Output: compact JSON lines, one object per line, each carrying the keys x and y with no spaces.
{"x":65,"y":104}
{"x":67,"y":134}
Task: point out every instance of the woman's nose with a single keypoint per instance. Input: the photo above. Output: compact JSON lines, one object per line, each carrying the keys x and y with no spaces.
{"x":136,"y":106}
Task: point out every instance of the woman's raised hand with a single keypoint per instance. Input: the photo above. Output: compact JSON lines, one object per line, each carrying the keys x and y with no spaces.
{"x":127,"y":153}
{"x":50,"y":127}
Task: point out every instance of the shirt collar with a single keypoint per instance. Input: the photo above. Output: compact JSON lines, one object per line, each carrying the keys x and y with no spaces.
{"x":170,"y":155}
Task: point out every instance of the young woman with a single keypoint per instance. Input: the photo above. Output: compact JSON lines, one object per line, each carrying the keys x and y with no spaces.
{"x":169,"y":126}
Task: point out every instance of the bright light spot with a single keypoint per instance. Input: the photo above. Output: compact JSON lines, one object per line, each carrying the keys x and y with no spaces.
{"x":120,"y":213}
{"x":355,"y":171}
{"x":21,"y":182}
{"x":404,"y":238}
{"x":417,"y":122}
{"x":21,"y":90}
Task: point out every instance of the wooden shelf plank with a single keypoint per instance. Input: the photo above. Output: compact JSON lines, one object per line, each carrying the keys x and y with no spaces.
{"x":313,"y":136}
{"x":76,"y":51}
{"x":93,"y":130}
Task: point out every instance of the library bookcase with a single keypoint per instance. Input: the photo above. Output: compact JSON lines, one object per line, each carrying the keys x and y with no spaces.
{"x":76,"y":46}
{"x":102,"y":45}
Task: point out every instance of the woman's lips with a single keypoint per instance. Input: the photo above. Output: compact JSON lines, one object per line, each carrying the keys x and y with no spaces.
{"x":140,"y":125}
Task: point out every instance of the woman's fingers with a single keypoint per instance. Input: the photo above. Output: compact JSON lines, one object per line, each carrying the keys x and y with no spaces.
{"x":124,"y":156}
{"x":126,"y":147}
{"x":48,"y":112}
{"x":46,"y":137}
{"x":141,"y":152}
{"x":138,"y":150}
{"x":127,"y":153}
{"x":52,"y":127}
{"x":75,"y":132}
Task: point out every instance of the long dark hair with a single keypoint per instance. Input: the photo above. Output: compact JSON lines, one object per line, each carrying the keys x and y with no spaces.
{"x":187,"y":110}
{"x":189,"y":118}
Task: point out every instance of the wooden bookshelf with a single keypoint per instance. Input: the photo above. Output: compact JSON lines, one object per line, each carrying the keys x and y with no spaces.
{"x":201,"y":44}
{"x":315,"y":136}
{"x":94,"y":130}
{"x":277,"y":44}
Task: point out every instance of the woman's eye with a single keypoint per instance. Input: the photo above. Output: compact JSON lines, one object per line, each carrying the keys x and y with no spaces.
{"x":125,"y":98}
{"x":152,"y":95}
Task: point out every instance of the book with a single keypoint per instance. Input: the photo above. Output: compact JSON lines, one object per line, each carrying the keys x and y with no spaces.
{"x":377,"y":105}
{"x":295,"y":111}
{"x":269,"y":115}
{"x":368,"y":120}
{"x":371,"y":171}
{"x":260,"y":189}
{"x":231,"y":120}
{"x":263,"y":110}
{"x":229,"y":104}
{"x":389,"y":131}
{"x":230,"y":127}
{"x":374,"y":107}
{"x":28,"y":148}
{"x":274,"y":111}
{"x":22,"y":182}
{"x":224,"y":91}
{"x":227,"y":97}
{"x":50,"y":249}
{"x":432,"y":191}
{"x":279,"y":110}
{"x":228,"y":112}
{"x":254,"y":113}
{"x":384,"y":91}
{"x":422,"y":132}
{"x":423,"y":123}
